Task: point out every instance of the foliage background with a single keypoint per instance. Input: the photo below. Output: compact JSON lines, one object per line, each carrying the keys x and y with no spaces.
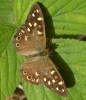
{"x":64,"y":22}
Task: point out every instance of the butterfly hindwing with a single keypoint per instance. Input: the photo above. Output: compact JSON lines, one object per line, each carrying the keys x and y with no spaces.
{"x":44,"y":72}
{"x":53,"y":80}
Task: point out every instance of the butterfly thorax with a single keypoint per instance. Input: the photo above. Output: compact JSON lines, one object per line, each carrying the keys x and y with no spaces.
{"x":45,"y":53}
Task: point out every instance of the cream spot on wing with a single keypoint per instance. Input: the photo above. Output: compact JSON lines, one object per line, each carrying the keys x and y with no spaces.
{"x":53,"y":81}
{"x":29,"y":77}
{"x":49,"y":82}
{"x":57,"y":88}
{"x":37,"y":11}
{"x":33,"y":80}
{"x":24,"y":72}
{"x":63,"y":90}
{"x":35,"y":24}
{"x":39,"y":32}
{"x":33,"y":15}
{"x":28,"y":29}
{"x":17,"y":44}
{"x":18,"y":38}
{"x":26,"y":38}
{"x":52,"y":72}
{"x":30,"y":24}
{"x":40,"y":18}
{"x":45,"y":79}
{"x":37,"y":80}
{"x":22,"y":31}
{"x":36,"y":74}
{"x":60,"y":83}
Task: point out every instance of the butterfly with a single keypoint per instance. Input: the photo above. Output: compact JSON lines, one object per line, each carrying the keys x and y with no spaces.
{"x":30,"y":41}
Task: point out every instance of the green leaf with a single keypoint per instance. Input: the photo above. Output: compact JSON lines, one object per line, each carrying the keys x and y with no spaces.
{"x":63,"y":20}
{"x":6,"y":12}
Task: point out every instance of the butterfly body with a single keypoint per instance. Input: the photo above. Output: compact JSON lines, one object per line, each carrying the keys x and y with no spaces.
{"x":30,"y":40}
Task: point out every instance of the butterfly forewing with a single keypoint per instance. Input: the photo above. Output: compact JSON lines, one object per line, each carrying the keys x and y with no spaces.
{"x":35,"y":24}
{"x":26,"y":40}
{"x":30,"y":40}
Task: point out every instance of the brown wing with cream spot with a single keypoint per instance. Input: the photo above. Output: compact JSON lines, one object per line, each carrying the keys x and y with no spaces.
{"x":35,"y":21}
{"x":31,"y":70}
{"x":30,"y":38}
{"x":42,"y":71}
{"x":53,"y":80}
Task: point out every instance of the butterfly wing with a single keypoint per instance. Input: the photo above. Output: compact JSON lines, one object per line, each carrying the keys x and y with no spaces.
{"x":53,"y":80}
{"x":40,"y":70}
{"x":34,"y":20}
{"x":30,"y":38}
{"x":31,"y":70}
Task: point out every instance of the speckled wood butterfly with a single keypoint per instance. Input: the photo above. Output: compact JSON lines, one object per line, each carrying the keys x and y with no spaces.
{"x":30,"y":40}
